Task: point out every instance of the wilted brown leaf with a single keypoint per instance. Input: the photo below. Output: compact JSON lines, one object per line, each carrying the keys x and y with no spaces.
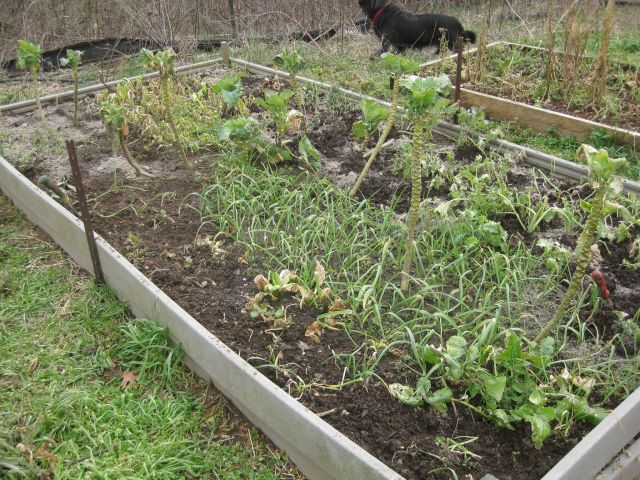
{"x":168,"y":255}
{"x":42,"y":452}
{"x":260,"y":282}
{"x":32,"y":365}
{"x":128,"y":380}
{"x":203,"y":241}
{"x":338,"y":306}
{"x":314,"y":331}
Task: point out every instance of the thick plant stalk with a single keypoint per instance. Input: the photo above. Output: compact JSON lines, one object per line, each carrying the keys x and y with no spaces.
{"x":122,"y":138}
{"x":166,"y":101}
{"x":599,"y":79}
{"x":74,"y":74}
{"x":550,"y":58}
{"x":293,"y":82}
{"x":416,"y":196}
{"x":482,"y":43}
{"x":569,"y":34}
{"x":583,"y":256}
{"x":34,"y":79}
{"x":365,"y":142}
{"x":391,"y":119}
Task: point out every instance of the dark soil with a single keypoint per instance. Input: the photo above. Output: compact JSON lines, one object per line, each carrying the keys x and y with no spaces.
{"x":215,"y":289}
{"x":153,"y":224}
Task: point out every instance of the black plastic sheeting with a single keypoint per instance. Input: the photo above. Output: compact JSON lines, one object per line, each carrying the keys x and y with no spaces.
{"x":110,"y":48}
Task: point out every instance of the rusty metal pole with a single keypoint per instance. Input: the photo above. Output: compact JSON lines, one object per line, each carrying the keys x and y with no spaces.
{"x":456,"y":93}
{"x":84,"y":210}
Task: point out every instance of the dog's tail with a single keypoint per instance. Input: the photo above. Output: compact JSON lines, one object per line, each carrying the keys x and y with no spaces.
{"x":469,"y":35}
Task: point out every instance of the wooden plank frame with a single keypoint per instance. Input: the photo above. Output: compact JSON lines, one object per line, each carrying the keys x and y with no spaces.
{"x":539,"y":119}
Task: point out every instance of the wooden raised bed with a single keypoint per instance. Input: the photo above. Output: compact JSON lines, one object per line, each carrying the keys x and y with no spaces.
{"x":538,"y":119}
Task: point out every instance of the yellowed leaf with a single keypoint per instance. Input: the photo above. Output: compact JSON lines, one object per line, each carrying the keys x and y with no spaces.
{"x":168,"y":255}
{"x":128,"y":380}
{"x":42,"y":452}
{"x":314,"y":331}
{"x":260,"y":282}
{"x":32,"y":365}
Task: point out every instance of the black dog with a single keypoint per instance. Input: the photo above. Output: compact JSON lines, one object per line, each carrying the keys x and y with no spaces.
{"x":403,"y":29}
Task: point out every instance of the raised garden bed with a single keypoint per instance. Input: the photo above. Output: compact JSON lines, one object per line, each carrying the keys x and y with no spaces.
{"x":203,"y":237}
{"x":512,"y":86}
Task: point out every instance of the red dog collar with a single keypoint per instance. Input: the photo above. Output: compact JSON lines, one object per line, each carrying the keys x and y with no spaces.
{"x":374,"y":20}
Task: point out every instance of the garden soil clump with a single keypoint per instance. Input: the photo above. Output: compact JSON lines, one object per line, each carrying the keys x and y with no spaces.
{"x":157,"y":225}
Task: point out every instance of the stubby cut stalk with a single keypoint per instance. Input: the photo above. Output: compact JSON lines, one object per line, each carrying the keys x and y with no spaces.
{"x":122,"y":139}
{"x":74,"y":75}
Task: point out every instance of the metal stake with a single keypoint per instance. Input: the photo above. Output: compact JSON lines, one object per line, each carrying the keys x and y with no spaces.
{"x":84,"y":210}
{"x":456,"y":94}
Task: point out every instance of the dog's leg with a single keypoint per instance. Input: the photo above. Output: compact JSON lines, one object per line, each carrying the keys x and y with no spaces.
{"x":386,"y":45}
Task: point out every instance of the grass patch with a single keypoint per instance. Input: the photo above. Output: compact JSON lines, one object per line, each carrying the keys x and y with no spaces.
{"x":63,"y":412}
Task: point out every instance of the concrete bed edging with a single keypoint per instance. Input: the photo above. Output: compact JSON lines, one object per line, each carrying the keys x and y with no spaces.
{"x":196,"y":338}
{"x":319,"y":450}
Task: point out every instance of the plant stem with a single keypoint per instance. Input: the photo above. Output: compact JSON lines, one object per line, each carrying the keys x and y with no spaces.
{"x":416,"y":195}
{"x":34,"y":78}
{"x":599,"y":78}
{"x":74,"y":74}
{"x":391,"y":118}
{"x":365,"y":142}
{"x":122,"y":138}
{"x":166,"y":100}
{"x":583,"y":256}
{"x":549,"y":69}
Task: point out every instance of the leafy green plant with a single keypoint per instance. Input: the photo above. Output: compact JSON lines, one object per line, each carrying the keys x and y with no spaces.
{"x":29,"y":58}
{"x":506,"y":384}
{"x":73,"y":61}
{"x":244,"y":135}
{"x":277,"y":105}
{"x":399,"y":66}
{"x":293,"y":63}
{"x":425,"y":103}
{"x":162,"y":62}
{"x":230,"y":88}
{"x":373,"y":113}
{"x":605,"y":181}
{"x":115,"y":116}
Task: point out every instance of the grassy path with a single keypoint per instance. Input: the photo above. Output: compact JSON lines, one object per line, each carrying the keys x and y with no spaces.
{"x":88,"y":392}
